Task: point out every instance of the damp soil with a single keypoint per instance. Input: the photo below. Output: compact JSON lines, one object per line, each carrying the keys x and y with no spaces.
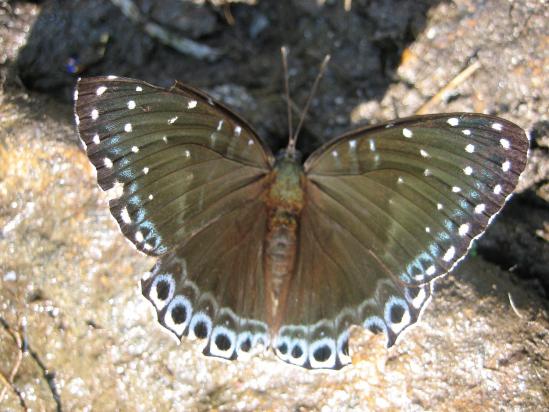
{"x":75,"y":333}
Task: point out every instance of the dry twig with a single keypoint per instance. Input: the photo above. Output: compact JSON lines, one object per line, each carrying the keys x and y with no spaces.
{"x":513,"y":306}
{"x":454,"y":83}
{"x":8,"y":380}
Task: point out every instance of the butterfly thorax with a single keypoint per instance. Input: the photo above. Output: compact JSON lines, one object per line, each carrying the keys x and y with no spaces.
{"x":284,"y":203}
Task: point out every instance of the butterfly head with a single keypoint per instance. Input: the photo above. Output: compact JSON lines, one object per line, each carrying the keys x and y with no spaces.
{"x":294,"y":156}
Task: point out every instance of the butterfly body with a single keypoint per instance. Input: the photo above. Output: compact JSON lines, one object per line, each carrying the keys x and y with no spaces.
{"x":256,"y":251}
{"x":284,"y":203}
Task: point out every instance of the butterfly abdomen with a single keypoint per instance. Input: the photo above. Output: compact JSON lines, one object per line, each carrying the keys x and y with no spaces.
{"x":284,"y":203}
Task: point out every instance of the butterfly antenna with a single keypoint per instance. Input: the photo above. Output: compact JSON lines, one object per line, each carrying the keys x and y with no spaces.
{"x":284,"y":52}
{"x":293,"y":139}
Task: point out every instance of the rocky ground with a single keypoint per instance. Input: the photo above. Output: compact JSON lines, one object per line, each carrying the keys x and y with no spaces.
{"x":75,"y":332}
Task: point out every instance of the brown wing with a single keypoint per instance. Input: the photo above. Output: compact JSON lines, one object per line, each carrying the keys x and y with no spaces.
{"x":173,"y":159}
{"x":388,"y":209}
{"x":188,"y":177}
{"x":212,"y":286}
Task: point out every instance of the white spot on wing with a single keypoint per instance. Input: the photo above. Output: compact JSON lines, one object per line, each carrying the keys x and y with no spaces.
{"x":407,"y":133}
{"x":427,"y":172}
{"x":229,"y":335}
{"x":497,"y":189}
{"x":466,"y":132}
{"x":480,"y":208}
{"x":506,"y":166}
{"x":146,"y":170}
{"x":470,"y":148}
{"x":139,"y":236}
{"x":108,"y":163}
{"x":352,"y":144}
{"x":94,"y":114}
{"x":463,"y":229}
{"x":220,"y":125}
{"x":456,"y":189}
{"x":237,"y":131}
{"x":151,"y":197}
{"x":505,"y":143}
{"x":192,"y":104}
{"x":187,"y":154}
{"x":405,"y":320}
{"x":138,"y":89}
{"x":153,"y":294}
{"x":200,"y":317}
{"x":468,"y":170}
{"x":125,"y":216}
{"x":317,"y":344}
{"x":100,"y":90}
{"x":431,"y":270}
{"x":131,"y":104}
{"x":428,"y":229}
{"x":96,"y":139}
{"x":116,"y":191}
{"x":112,"y":77}
{"x":135,"y":149}
{"x":453,"y":121}
{"x":423,"y":153}
{"x":334,"y":153}
{"x":128,"y":127}
{"x":449,"y":255}
{"x":497,"y":126}
{"x":419,"y":299}
{"x":372,"y":143}
{"x":439,"y":206}
{"x":172,"y":120}
{"x":183,"y":302}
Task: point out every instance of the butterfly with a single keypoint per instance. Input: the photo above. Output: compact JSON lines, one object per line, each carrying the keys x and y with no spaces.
{"x":261,"y":251}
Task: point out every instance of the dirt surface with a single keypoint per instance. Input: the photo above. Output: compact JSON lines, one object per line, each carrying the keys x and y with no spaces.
{"x":75,"y":333}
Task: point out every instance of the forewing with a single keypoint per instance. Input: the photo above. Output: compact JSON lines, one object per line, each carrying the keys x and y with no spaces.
{"x":388,"y":209}
{"x":424,"y":187}
{"x":173,"y":159}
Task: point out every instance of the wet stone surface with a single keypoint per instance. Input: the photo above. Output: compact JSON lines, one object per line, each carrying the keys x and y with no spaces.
{"x":69,"y":290}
